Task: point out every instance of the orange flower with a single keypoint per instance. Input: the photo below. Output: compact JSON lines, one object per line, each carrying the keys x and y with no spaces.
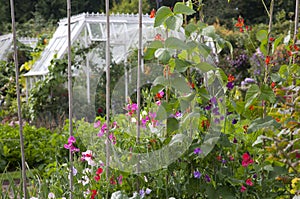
{"x":268,"y":59}
{"x":251,"y":108}
{"x":158,"y":37}
{"x":230,"y":78}
{"x":152,"y":13}
{"x":240,"y":22}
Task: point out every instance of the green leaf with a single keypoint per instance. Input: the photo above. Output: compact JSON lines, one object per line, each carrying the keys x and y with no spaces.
{"x":190,"y":28}
{"x":276,"y":43}
{"x":261,"y":123}
{"x":251,"y":95}
{"x":161,"y":15}
{"x":229,"y":45}
{"x":204,"y":50}
{"x":267,"y":94}
{"x":175,"y":43}
{"x":149,"y":54}
{"x":163,"y":55}
{"x":209,"y":31}
{"x":174,"y":22}
{"x":172,"y":125}
{"x":205,"y":67}
{"x":181,"y":8}
{"x":262,"y":35}
{"x":179,"y":84}
{"x":156,"y":44}
{"x":181,"y":65}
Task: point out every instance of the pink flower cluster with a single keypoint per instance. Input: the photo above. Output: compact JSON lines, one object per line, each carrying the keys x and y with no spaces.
{"x":70,"y":145}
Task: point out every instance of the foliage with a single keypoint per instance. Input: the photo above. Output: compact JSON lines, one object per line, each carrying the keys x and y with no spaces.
{"x":41,"y":146}
{"x":130,"y":6}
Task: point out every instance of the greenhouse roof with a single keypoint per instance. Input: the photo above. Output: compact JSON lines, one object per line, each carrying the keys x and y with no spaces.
{"x":87,"y":28}
{"x":6,"y":44}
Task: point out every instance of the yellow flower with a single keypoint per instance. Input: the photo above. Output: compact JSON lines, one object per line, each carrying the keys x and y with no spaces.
{"x":295,"y":186}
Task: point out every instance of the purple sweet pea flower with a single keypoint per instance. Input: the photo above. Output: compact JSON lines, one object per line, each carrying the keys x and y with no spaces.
{"x":207,"y":178}
{"x":197,"y":174}
{"x":249,"y":80}
{"x":234,"y":140}
{"x":216,"y":111}
{"x":208,"y":107}
{"x":234,"y":121}
{"x":142,"y":193}
{"x":198,"y":151}
{"x":230,"y":85}
{"x":148,"y":191}
{"x":213,"y":100}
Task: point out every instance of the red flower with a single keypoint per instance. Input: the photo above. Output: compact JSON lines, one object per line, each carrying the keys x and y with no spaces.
{"x":289,"y":53}
{"x":158,"y":37}
{"x":160,"y":95}
{"x":246,"y":160}
{"x":243,"y":188}
{"x":152,"y":13}
{"x":94,"y":193}
{"x":240,"y":22}
{"x":249,"y":182}
{"x":99,"y":171}
{"x":296,"y":47}
{"x":192,"y":85}
{"x":271,"y":39}
{"x":112,"y":181}
{"x":241,"y":29}
{"x":97,"y":178}
{"x":205,"y":124}
{"x":230,"y":78}
{"x":268,"y":59}
{"x":219,"y":157}
{"x":273,"y":84}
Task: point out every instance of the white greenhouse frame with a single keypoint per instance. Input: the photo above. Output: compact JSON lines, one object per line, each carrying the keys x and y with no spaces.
{"x":91,"y":27}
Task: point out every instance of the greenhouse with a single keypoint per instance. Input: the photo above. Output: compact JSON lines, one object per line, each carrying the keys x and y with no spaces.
{"x":88,"y":31}
{"x":192,"y":100}
{"x":6,"y":43}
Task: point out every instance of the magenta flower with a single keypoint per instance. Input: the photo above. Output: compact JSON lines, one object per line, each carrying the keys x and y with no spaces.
{"x":120,"y":179}
{"x":158,"y":103}
{"x":112,"y":138}
{"x":97,"y":124}
{"x":249,"y":182}
{"x":102,"y":130}
{"x":246,"y":160}
{"x":144,"y":121}
{"x":152,"y":115}
{"x":243,"y":188}
{"x":70,"y":146}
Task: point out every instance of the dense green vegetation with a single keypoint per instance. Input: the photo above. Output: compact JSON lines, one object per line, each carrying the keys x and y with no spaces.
{"x":32,"y":20}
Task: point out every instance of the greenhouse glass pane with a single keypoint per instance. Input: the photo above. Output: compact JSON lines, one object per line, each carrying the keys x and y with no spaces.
{"x":96,"y":31}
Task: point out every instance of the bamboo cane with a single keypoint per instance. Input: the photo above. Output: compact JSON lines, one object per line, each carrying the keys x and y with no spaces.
{"x":19,"y":100}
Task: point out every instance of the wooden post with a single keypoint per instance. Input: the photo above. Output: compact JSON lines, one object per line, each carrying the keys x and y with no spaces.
{"x":107,"y":59}
{"x":24,"y":180}
{"x":70,"y":96}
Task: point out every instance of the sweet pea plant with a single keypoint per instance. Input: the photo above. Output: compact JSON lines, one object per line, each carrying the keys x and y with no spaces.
{"x":235,"y":141}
